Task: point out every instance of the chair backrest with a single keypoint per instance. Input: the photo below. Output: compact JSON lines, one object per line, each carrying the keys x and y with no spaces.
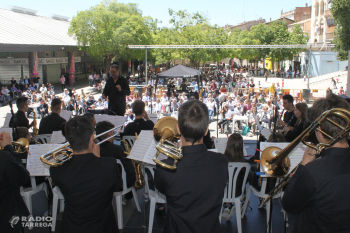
{"x":123,"y":174}
{"x":130,"y":139}
{"x":151,"y":169}
{"x":234,"y":169}
{"x":43,"y":138}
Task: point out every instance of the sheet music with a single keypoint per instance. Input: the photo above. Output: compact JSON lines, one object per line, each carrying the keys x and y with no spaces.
{"x":220,"y":145}
{"x":266,"y":133}
{"x":295,"y":155}
{"x":57,"y":137}
{"x":144,"y":148}
{"x":34,"y":164}
{"x":66,"y":114}
{"x":7,"y":130}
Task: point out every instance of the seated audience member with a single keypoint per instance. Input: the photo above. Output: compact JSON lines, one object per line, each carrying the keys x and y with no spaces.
{"x":199,"y":180}
{"x":227,"y":116}
{"x":109,"y":149}
{"x":317,"y":193}
{"x":141,"y":122}
{"x":158,"y":106}
{"x":70,"y":106}
{"x":13,"y":175}
{"x":43,"y":109}
{"x":5,"y":92}
{"x":90,"y":101}
{"x":88,"y":195}
{"x":174,"y":105}
{"x":53,"y":121}
{"x":129,"y":117}
{"x":211,"y":106}
{"x":183,"y":97}
{"x":66,"y":96}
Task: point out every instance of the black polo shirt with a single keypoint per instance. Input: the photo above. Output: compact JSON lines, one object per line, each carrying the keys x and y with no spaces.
{"x":21,"y":120}
{"x":116,"y":98}
{"x":194,"y":191}
{"x":51,"y":123}
{"x":318,"y":193}
{"x":137,"y":126}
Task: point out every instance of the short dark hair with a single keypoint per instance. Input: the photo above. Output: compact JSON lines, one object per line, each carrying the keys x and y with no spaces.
{"x":103,"y":126}
{"x":78,"y":132}
{"x":138,"y":107}
{"x":193,"y":120}
{"x":325,"y":104}
{"x":288,"y":97}
{"x":234,"y":148}
{"x":90,"y":116}
{"x":56,"y":104}
{"x":22,"y":133}
{"x":114,"y":66}
{"x":21,"y":102}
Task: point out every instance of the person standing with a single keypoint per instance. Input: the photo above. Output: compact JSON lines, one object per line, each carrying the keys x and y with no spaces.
{"x":63,"y":82}
{"x":116,"y":89}
{"x":36,"y":82}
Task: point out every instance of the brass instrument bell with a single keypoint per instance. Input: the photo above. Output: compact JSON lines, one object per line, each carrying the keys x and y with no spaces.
{"x":166,"y":136}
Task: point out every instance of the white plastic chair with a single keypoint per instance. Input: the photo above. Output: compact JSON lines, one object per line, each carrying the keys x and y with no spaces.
{"x":130,"y":139}
{"x":44,"y":138}
{"x":234,"y":169}
{"x":118,"y":197}
{"x":57,"y":196}
{"x":27,"y":193}
{"x":263,"y":195}
{"x":154,"y":196}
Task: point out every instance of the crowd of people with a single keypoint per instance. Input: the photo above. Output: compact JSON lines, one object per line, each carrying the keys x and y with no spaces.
{"x":90,"y":178}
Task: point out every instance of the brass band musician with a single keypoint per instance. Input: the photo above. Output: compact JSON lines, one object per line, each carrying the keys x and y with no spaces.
{"x":317,"y":196}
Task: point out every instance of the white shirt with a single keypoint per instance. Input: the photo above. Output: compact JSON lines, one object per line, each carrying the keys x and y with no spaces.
{"x":231,"y":105}
{"x":43,"y":89}
{"x":211,"y":105}
{"x":158,"y":106}
{"x":145,"y":98}
{"x":5,"y":91}
{"x":184,"y":98}
{"x":238,"y":111}
{"x":164,"y":99}
{"x":228,"y":114}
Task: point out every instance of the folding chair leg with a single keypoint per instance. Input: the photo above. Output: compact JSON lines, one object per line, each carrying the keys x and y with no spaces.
{"x":246,"y":201}
{"x":54,"y":212}
{"x":118,"y":200}
{"x":152,"y":206}
{"x":136,"y":199}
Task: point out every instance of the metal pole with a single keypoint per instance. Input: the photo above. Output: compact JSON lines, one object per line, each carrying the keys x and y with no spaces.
{"x":146,"y":66}
{"x":308,"y":78}
{"x":347,"y":89}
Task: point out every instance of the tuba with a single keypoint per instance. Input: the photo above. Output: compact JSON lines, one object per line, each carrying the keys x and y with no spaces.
{"x":275,"y":162}
{"x":165,"y":134}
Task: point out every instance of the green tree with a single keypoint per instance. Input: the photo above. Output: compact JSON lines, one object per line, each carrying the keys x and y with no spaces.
{"x":106,"y":30}
{"x":341,"y":13}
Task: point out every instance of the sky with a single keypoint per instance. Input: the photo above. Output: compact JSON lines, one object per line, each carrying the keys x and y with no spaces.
{"x":222,"y":12}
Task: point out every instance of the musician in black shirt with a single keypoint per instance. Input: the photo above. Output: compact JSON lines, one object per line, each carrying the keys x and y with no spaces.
{"x":194,"y":191}
{"x":109,"y":149}
{"x":141,"y":122}
{"x":288,"y":119}
{"x":53,"y":121}
{"x":116,"y":89}
{"x":317,"y":196}
{"x":21,"y":119}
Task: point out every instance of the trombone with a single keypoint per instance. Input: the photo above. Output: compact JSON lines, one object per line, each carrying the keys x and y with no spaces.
{"x":63,"y":154}
{"x":274,"y":161}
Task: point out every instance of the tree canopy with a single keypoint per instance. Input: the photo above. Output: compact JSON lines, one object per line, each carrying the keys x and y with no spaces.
{"x":341,"y":13}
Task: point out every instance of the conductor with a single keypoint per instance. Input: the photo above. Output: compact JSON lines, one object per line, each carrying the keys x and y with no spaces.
{"x":116,"y":89}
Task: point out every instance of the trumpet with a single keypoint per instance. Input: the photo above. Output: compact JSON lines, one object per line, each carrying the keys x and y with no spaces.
{"x":21,"y":145}
{"x":274,"y":161}
{"x":62,"y":154}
